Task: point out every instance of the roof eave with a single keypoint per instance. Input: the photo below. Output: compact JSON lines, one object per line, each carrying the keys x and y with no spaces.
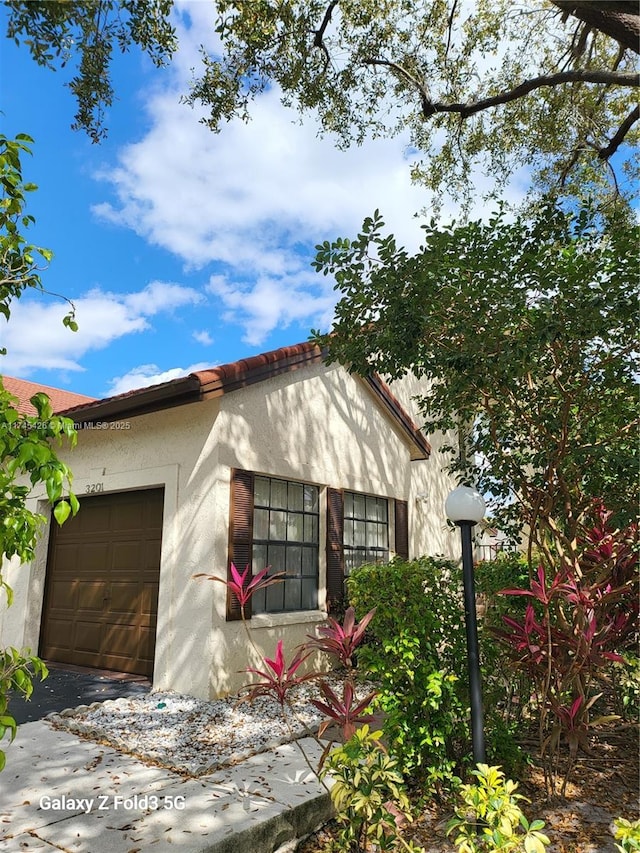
{"x":419,"y":446}
{"x":178,"y":392}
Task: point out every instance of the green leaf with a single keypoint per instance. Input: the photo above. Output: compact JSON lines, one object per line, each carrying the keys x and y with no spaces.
{"x":61,"y":511}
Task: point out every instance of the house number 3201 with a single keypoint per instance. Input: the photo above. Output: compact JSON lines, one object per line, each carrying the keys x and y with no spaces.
{"x":93,"y":488}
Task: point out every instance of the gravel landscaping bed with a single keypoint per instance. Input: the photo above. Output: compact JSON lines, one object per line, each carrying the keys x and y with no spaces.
{"x":192,"y":736}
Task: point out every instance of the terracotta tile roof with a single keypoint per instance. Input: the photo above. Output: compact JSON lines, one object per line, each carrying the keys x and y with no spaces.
{"x":246,"y":371}
{"x":24,"y":391}
{"x":226,"y":378}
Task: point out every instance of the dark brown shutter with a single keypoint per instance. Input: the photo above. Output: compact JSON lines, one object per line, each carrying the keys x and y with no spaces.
{"x":335,"y":550}
{"x":240,"y":535}
{"x":402,"y":529}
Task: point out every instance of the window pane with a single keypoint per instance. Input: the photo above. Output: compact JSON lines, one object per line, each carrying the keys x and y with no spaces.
{"x":292,"y":594}
{"x":259,"y":558}
{"x":309,"y":561}
{"x":348,"y":505}
{"x":275,"y":596}
{"x":371,"y":509}
{"x":359,"y":557}
{"x":278,"y":525}
{"x":295,"y":527}
{"x":383,"y":511}
{"x":279,"y":494}
{"x":309,"y":595}
{"x":261,"y":524}
{"x":358,"y":506}
{"x":296,"y":493}
{"x":310,"y":528}
{"x":348,"y":533}
{"x":294,"y":560}
{"x":359,"y":536}
{"x":261,"y":491}
{"x":258,"y":601}
{"x":311,"y":499}
{"x":277,"y":557}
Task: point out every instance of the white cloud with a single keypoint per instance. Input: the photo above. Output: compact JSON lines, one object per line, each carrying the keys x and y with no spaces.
{"x":150,"y":374}
{"x":257,"y":196}
{"x":36,"y":338}
{"x":273,"y":302}
{"x":203,"y":337}
{"x":249,"y":195}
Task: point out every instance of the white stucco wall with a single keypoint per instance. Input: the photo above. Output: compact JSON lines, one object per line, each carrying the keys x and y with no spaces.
{"x":317,"y":424}
{"x":430,"y":484}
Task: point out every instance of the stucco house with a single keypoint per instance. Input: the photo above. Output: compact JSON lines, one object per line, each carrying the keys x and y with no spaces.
{"x":278,"y":459}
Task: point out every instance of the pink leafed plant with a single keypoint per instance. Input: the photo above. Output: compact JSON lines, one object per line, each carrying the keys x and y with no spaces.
{"x":238,"y":583}
{"x":279,"y":678}
{"x":341,"y":640}
{"x":345,"y":713}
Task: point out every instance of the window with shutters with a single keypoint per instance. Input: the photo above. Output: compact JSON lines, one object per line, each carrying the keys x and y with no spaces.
{"x":366,"y":530}
{"x":275,"y":522}
{"x":285,"y":537}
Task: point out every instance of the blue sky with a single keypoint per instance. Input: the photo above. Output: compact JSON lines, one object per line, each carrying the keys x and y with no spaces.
{"x":182,"y":249}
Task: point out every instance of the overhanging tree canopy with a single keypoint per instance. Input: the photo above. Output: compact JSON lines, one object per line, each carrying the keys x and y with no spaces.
{"x":547,"y":85}
{"x":525,"y":332}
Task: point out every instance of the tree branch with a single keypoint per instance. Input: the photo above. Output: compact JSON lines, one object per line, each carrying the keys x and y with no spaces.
{"x":450,"y":30}
{"x":318,"y":35}
{"x":618,"y":138}
{"x":431,"y":108}
{"x":402,"y":72}
{"x":607,"y":78}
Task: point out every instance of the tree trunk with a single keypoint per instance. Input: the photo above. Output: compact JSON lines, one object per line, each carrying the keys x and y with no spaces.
{"x":619,"y":19}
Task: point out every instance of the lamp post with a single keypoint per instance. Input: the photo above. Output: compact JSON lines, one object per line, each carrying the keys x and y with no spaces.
{"x":466,"y":507}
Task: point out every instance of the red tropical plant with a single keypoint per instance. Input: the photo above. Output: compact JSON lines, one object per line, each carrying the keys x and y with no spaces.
{"x":539,"y":589}
{"x":279,"y":678}
{"x":573,"y":629}
{"x":238,"y":583}
{"x":347,"y":713}
{"x":341,"y":640}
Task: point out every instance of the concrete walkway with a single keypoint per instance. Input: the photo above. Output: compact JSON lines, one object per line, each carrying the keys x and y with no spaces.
{"x":59,"y":792}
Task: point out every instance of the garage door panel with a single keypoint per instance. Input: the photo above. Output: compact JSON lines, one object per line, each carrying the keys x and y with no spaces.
{"x":120,"y":639}
{"x":125,"y":597}
{"x":67,"y":558}
{"x":62,"y":594}
{"x":61,"y":637}
{"x":94,"y":557}
{"x":102,"y":583}
{"x":94,"y":520}
{"x":151,"y":555}
{"x":90,"y":595}
{"x":147,"y":643}
{"x":127,"y":555}
{"x":87,"y":636}
{"x":149,"y":603}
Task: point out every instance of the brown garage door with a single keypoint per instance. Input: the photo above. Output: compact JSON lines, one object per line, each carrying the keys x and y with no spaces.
{"x":101,"y":594}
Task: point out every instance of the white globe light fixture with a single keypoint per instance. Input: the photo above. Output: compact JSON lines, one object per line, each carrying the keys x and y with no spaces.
{"x":466,"y":506}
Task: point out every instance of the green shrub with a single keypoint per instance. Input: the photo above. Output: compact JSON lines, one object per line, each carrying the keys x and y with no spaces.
{"x":626,"y":678}
{"x":489,"y":818}
{"x":509,"y":569}
{"x":416,"y":651}
{"x":506,"y":691}
{"x":367,"y":793}
{"x":628,"y":833}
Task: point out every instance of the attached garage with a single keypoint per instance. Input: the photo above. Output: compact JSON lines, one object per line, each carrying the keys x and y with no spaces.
{"x":101,"y":592}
